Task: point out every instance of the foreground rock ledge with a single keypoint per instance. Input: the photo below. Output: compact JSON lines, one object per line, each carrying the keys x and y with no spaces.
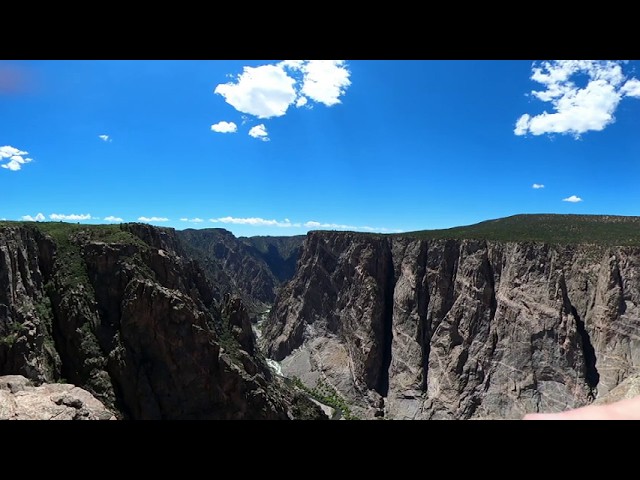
{"x":21,"y":400}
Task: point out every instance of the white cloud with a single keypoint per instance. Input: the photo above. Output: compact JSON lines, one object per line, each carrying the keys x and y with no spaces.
{"x":264,"y":92}
{"x":338,"y":226}
{"x":255,"y":221}
{"x":104,"y":138}
{"x":192,"y":220}
{"x":111,"y":218}
{"x":268,"y":91}
{"x":572,"y":199}
{"x":16,"y":158}
{"x":38,"y":218}
{"x":314,"y":224}
{"x":522,"y":125}
{"x":259,"y":131}
{"x":631,"y":88}
{"x":286,"y":223}
{"x":8,"y":152}
{"x":73,"y":216}
{"x":325,"y":81}
{"x":224,"y":127}
{"x":576,"y":109}
{"x":537,"y":186}
{"x":153,"y":219}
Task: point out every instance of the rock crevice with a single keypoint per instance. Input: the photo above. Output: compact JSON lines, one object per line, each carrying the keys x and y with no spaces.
{"x":468,"y":328}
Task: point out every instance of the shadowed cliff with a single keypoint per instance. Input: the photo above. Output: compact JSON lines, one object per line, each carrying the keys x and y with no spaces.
{"x":122,"y":312}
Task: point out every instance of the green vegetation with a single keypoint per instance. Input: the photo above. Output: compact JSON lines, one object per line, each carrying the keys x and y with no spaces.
{"x":62,"y":231}
{"x":43,"y":309}
{"x":556,"y":229}
{"x":15,"y":331}
{"x":227,"y":339}
{"x":69,"y":237}
{"x":325,"y":393}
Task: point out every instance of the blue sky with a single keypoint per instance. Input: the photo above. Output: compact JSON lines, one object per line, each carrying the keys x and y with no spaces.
{"x":361,"y":145}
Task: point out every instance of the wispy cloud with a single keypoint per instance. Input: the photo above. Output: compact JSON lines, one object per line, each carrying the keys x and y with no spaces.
{"x":537,"y":186}
{"x":286,"y":223}
{"x":73,"y":216}
{"x":576,"y":109}
{"x":16,"y":158}
{"x":192,"y":220}
{"x":152,"y":219}
{"x":38,"y":218}
{"x":259,"y":131}
{"x":572,"y":199}
{"x":111,"y":218}
{"x":104,"y":138}
{"x":224,"y":127}
{"x":268,"y":91}
{"x":255,"y":221}
{"x":338,"y":226}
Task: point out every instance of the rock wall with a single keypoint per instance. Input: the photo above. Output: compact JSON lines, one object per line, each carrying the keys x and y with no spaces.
{"x":458,"y":328}
{"x":120,"y":312}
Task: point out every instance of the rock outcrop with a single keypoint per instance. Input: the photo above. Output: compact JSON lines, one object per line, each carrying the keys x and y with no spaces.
{"x":21,"y":400}
{"x":458,"y":329}
{"x":122,"y":313}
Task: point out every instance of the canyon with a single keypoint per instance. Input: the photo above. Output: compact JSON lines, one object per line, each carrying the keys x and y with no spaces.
{"x":517,"y":315}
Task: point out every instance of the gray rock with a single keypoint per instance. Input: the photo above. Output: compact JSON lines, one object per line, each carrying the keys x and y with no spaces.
{"x":128,"y":317}
{"x":458,"y":329}
{"x":21,"y":400}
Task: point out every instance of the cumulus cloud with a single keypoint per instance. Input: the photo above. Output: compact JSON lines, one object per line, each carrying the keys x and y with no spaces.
{"x":224,"y":127}
{"x":15,"y":156}
{"x":264,"y":92}
{"x":192,"y":220}
{"x":38,"y":218}
{"x":111,"y":218}
{"x":259,"y":131}
{"x":255,"y":221}
{"x":577,"y":109}
{"x":268,"y":91}
{"x":104,"y":138}
{"x":572,"y":199}
{"x":73,"y":216}
{"x":152,"y":219}
{"x":537,"y":186}
{"x":325,"y":81}
{"x":631,"y":88}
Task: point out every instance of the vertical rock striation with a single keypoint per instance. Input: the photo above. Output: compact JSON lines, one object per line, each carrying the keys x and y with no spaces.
{"x":459,"y":328}
{"x":122,"y":313}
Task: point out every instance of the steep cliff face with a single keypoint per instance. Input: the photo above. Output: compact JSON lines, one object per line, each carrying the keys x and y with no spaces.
{"x":120,"y":312}
{"x":253,"y":268}
{"x":414,"y":328}
{"x":26,"y":346}
{"x":279,"y":253}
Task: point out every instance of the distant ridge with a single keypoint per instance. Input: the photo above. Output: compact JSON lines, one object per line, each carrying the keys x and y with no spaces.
{"x":549,"y":228}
